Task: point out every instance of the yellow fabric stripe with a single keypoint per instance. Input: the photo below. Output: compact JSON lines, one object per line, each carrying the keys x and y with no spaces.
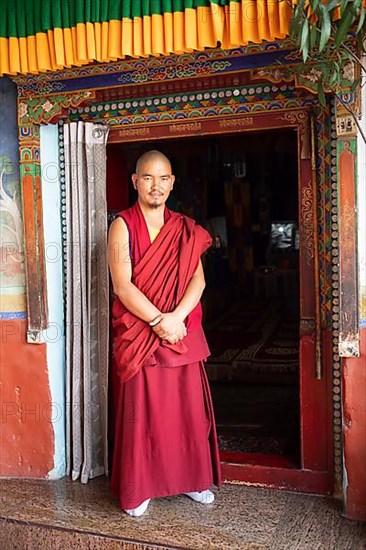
{"x":238,"y":23}
{"x":249,"y":18}
{"x":69,"y":53}
{"x":32,"y":55}
{"x":127,"y":36}
{"x":157,"y":34}
{"x":263,"y":23}
{"x":105,"y":32}
{"x":168,"y":32}
{"x":14,"y":55}
{"x":274,"y":19}
{"x":43,"y":52}
{"x":98,"y":41}
{"x":146,"y":27}
{"x":190,"y":29}
{"x":218,"y":21}
{"x":235,"y":23}
{"x":178,"y":32}
{"x":285,"y":17}
{"x":75,"y":47}
{"x":90,"y":42}
{"x":115,"y":39}
{"x":206,"y":37}
{"x":59,"y":47}
{"x":138,"y":38}
{"x":4,"y":57}
{"x":81,"y":50}
{"x":51,"y":47}
{"x":23,"y":52}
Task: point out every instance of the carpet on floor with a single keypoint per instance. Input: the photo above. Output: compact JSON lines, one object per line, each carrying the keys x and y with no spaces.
{"x":253,"y":340}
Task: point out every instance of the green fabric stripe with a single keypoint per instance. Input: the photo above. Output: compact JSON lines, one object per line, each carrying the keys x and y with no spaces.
{"x":4,"y":23}
{"x":56,"y":15}
{"x":27,"y":17}
{"x":20,"y":19}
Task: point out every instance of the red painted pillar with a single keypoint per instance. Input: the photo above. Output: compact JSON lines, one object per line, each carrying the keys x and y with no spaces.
{"x":354,"y":434}
{"x":351,"y":349}
{"x":26,"y":431}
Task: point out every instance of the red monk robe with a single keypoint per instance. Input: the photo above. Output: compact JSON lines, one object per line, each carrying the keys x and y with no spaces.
{"x":165,"y":439}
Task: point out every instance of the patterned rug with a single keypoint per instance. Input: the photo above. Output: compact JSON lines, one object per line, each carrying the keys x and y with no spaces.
{"x":255,"y":339}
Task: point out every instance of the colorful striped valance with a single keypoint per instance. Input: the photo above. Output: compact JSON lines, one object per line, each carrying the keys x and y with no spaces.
{"x":48,"y":35}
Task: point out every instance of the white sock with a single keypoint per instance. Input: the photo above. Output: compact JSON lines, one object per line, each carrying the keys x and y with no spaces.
{"x":203,"y":497}
{"x":136,"y":512}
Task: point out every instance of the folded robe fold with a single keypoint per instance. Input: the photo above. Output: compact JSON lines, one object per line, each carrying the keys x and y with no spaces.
{"x":162,"y":273}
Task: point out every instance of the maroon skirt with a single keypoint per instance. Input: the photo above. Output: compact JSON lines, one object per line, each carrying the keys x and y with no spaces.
{"x":165,"y":439}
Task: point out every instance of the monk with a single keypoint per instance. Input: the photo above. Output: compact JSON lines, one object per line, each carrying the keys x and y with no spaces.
{"x":165,"y":439}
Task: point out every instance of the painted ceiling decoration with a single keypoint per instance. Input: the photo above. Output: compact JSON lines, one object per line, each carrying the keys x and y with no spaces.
{"x":48,"y":35}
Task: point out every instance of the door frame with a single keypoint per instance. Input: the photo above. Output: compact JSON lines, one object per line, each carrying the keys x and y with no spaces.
{"x":315,"y":472}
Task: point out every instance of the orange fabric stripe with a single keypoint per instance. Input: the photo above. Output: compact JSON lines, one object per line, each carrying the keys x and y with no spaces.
{"x":32,"y":54}
{"x":178,"y":32}
{"x":168,"y":32}
{"x":81,"y":49}
{"x":43,"y":52}
{"x":115,"y":39}
{"x":105,"y":32}
{"x":90,"y":41}
{"x":51,"y":47}
{"x":146,"y":27}
{"x":190,"y":29}
{"x":127,"y":36}
{"x":23,"y":52}
{"x":59,"y":47}
{"x":138,"y":38}
{"x":14,"y":55}
{"x":157,"y":34}
{"x":98,"y":41}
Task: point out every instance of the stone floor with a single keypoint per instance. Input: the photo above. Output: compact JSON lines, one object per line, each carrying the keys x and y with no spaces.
{"x":43,"y":515}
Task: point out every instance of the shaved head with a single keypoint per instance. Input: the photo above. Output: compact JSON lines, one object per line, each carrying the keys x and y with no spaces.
{"x":151,"y":156}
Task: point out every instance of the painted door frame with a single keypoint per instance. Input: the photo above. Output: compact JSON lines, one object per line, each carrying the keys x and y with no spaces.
{"x":314,"y":474}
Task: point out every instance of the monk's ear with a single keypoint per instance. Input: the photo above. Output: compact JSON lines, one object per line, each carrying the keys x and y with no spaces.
{"x":172,"y":182}
{"x":134,"y":180}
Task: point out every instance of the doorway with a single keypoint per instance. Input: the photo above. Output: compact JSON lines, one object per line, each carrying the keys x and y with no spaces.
{"x":244,"y":190}
{"x":253,"y":191}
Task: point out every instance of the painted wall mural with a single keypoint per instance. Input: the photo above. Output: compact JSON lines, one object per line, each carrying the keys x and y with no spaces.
{"x":12,"y":270}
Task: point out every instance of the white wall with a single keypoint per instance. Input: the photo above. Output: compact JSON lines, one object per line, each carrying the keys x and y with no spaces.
{"x":54,"y":336}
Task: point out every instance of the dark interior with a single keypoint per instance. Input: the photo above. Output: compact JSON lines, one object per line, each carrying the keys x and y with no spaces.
{"x":244,"y":189}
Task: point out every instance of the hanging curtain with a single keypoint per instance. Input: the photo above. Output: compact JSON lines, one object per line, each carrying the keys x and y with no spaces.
{"x":87,"y":300}
{"x":62,"y":33}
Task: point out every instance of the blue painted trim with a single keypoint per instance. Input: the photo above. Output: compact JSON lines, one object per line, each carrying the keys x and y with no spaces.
{"x":168,"y":69}
{"x":13,"y":315}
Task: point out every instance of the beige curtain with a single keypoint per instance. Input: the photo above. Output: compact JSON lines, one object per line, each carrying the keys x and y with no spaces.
{"x":87,"y":295}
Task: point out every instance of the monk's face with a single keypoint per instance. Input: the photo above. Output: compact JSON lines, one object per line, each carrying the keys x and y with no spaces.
{"x":153,"y":182}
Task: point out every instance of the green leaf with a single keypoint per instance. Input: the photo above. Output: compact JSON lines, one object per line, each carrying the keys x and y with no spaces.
{"x":332,"y":4}
{"x":344,"y":28}
{"x":313,"y":36}
{"x":343,"y":5}
{"x":361,"y":20}
{"x":304,"y":45}
{"x":326,"y":28}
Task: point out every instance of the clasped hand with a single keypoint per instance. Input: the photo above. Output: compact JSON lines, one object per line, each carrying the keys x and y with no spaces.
{"x":171,"y":328}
